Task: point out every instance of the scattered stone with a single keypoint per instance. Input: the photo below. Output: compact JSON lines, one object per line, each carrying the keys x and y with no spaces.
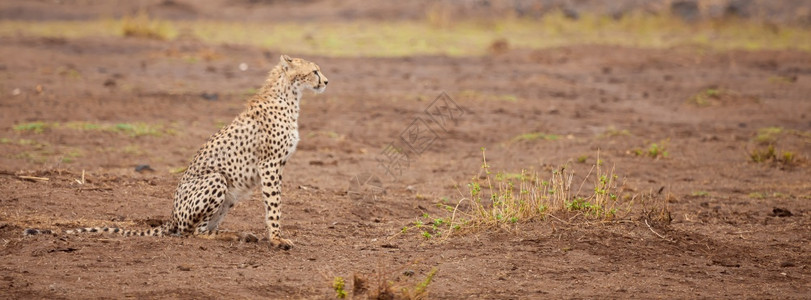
{"x":710,"y":138}
{"x":781,"y":212}
{"x":109,"y":82}
{"x":738,"y":8}
{"x":408,"y":273}
{"x":243,"y":67}
{"x":143,"y":168}
{"x":15,"y":92}
{"x":210,"y":96}
{"x":786,"y":264}
{"x":184,"y":267}
{"x":687,"y":10}
{"x":726,"y":264}
{"x":571,"y":13}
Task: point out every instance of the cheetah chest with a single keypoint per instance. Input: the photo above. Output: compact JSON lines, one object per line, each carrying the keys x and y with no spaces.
{"x":292,"y":143}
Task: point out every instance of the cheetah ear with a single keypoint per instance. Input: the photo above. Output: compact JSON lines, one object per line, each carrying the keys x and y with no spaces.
{"x":286,"y":60}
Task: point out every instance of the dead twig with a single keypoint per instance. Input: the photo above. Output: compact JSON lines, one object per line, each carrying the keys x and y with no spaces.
{"x":562,"y":221}
{"x":95,"y":189}
{"x":33,"y":178}
{"x":81,"y":182}
{"x":656,"y":233}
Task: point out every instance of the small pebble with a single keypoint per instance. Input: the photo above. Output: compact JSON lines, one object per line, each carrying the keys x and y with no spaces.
{"x":143,"y":168}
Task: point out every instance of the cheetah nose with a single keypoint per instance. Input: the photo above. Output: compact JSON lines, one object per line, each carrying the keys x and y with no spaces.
{"x":326,"y":82}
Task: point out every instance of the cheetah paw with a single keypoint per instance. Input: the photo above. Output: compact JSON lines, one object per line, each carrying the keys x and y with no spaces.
{"x":284,"y":244}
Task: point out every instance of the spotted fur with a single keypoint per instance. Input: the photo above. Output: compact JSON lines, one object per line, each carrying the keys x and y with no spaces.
{"x":249,"y":153}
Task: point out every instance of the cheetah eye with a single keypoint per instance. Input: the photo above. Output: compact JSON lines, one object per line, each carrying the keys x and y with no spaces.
{"x":315,"y":72}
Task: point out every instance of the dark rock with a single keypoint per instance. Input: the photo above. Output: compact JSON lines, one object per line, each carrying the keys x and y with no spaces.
{"x":738,"y":8}
{"x":687,"y":10}
{"x":570,"y":13}
{"x":210,"y":96}
{"x":781,"y":212}
{"x":143,"y":168}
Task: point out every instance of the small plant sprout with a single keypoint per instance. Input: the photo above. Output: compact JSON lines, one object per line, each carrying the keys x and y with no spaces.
{"x":768,"y":135}
{"x":613,"y":132}
{"x":654,"y":150}
{"x":338,"y":284}
{"x":704,"y":98}
{"x":35,"y":127}
{"x":419,"y":291}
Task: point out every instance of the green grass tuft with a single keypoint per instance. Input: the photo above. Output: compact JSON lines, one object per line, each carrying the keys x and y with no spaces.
{"x":768,"y":135}
{"x":655,"y":150}
{"x":36,"y":127}
{"x":142,"y":26}
{"x":704,"y":98}
{"x":455,"y":37}
{"x":131,"y":129}
{"x":533,"y":136}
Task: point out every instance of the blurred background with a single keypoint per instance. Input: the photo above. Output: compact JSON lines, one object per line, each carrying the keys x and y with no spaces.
{"x":398,"y":28}
{"x":684,"y":127}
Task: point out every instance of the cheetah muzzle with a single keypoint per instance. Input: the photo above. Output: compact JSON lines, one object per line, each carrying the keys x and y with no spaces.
{"x":249,"y":153}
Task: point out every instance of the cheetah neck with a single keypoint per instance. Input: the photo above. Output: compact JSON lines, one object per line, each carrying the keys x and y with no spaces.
{"x":279,"y":92}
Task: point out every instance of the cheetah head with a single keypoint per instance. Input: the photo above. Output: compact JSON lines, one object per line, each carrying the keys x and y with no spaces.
{"x":306,"y":73}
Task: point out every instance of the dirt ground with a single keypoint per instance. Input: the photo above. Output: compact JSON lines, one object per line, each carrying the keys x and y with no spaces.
{"x":739,"y":229}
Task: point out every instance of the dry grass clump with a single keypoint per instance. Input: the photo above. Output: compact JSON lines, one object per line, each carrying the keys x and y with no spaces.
{"x":502,"y":199}
{"x":510,"y":198}
{"x":142,"y":26}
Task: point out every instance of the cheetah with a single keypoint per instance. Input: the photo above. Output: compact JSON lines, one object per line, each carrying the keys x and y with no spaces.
{"x":251,"y":152}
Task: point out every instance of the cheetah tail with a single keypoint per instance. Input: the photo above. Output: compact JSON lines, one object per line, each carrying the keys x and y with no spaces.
{"x":157,"y":231}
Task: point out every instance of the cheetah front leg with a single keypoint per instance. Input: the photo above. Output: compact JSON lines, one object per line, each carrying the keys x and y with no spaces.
{"x":271,"y":196}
